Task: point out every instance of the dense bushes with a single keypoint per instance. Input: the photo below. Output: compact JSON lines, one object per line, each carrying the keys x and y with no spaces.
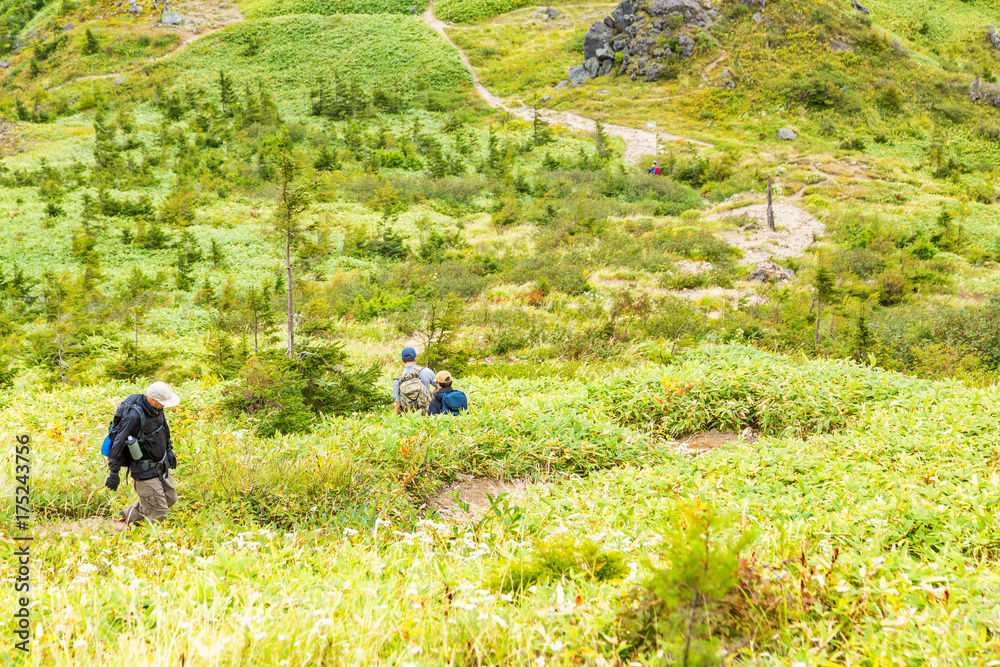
{"x":280,"y":395}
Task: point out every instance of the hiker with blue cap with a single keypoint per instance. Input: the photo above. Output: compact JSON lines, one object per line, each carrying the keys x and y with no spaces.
{"x":411,"y":389}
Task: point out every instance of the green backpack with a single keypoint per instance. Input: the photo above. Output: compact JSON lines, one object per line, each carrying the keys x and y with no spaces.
{"x":413,"y":393}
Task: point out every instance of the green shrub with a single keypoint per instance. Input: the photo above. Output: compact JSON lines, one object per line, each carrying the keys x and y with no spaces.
{"x":559,"y":559}
{"x":256,"y":9}
{"x":464,"y":11}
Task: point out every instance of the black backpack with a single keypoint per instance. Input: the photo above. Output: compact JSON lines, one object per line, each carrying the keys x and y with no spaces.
{"x":114,"y":426}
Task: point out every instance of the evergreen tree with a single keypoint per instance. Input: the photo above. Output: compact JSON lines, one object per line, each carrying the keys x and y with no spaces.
{"x":91,"y":45}
{"x":601,"y":142}
{"x":825,"y":288}
{"x":226,"y":94}
{"x":863,"y":338}
{"x":216,"y":255}
{"x":292,"y":200}
{"x":540,"y":131}
{"x":259,"y":311}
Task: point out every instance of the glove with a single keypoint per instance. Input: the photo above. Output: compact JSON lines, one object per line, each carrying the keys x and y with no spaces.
{"x":112,"y":481}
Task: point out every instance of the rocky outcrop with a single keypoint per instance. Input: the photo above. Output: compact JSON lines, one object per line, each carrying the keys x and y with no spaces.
{"x":643,"y":39}
{"x":838,"y":46}
{"x":985,"y":92}
{"x":769,"y":272}
{"x":548,"y":14}
{"x":858,"y":6}
{"x":994,"y":36}
{"x":787,"y":135}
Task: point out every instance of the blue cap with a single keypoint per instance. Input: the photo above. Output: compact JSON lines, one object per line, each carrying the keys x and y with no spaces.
{"x":409,"y":354}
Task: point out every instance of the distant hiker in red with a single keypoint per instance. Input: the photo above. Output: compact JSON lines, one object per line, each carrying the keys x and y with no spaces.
{"x":655,"y":169}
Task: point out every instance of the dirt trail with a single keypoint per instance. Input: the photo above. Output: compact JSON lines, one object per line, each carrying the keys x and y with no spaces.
{"x":637,"y":142}
{"x":232,"y":16}
{"x":797,"y":230}
{"x":475,"y":492}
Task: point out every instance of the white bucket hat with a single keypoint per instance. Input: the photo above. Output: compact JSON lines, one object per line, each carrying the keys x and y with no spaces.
{"x":162,"y":393}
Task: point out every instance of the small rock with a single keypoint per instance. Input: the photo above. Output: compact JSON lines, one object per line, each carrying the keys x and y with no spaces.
{"x":463,"y":477}
{"x":858,"y":6}
{"x":769,"y":272}
{"x":412,"y":9}
{"x":546,"y":99}
{"x":67,"y":27}
{"x":727,"y":80}
{"x":687,"y":46}
{"x":651,"y":125}
{"x":787,"y":135}
{"x":171,"y":18}
{"x":653,"y":73}
{"x":563,"y":83}
{"x":224,"y":6}
{"x":603,"y":92}
{"x":592,"y":66}
{"x":195,"y":30}
{"x":5,"y":63}
{"x":838,"y":46}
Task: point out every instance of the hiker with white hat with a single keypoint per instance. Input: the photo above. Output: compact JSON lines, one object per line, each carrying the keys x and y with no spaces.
{"x":140,"y":441}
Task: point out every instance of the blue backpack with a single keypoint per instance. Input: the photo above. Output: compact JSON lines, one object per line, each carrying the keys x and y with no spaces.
{"x":454,"y":402}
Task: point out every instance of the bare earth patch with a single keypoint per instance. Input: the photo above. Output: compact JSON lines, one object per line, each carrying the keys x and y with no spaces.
{"x":699,"y":443}
{"x":475,"y":493}
{"x":88,"y":526}
{"x":797,"y":230}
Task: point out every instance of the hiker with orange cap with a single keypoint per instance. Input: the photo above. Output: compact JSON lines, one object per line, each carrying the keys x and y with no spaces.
{"x":447,"y":401}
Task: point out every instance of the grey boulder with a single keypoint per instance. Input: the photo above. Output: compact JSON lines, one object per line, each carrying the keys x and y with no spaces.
{"x":787,"y":135}
{"x":578,"y":74}
{"x":598,"y":37}
{"x":691,"y":10}
{"x":171,"y":18}
{"x":769,"y":272}
{"x":687,"y":46}
{"x":994,"y":36}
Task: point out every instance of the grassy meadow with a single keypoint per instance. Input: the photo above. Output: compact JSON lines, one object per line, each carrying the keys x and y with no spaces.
{"x":599,"y":319}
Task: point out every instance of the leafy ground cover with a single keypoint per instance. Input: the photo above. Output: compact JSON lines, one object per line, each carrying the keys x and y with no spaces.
{"x":264,"y":8}
{"x":289,"y":54}
{"x":873,"y":521}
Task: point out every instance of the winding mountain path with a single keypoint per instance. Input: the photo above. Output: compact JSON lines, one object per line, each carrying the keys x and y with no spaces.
{"x":186,"y":39}
{"x":637,"y":142}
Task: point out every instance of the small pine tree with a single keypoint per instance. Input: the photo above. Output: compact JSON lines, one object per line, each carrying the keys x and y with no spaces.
{"x":91,"y":45}
{"x":863,"y":338}
{"x":226,"y":93}
{"x":601,"y":142}
{"x":216,"y":255}
{"x":540,"y":132}
{"x":825,"y":288}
